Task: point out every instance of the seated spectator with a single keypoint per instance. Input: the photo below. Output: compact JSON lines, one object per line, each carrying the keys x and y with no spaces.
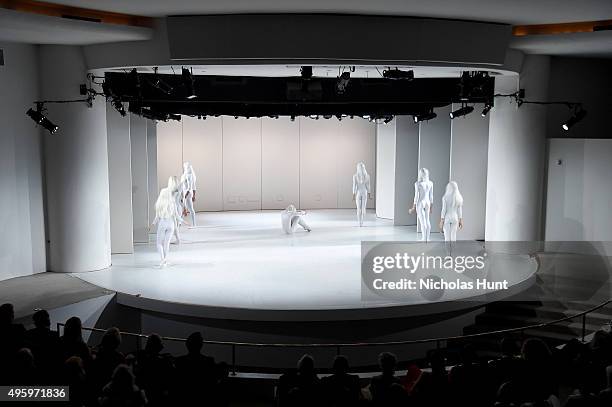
{"x":341,"y":388}
{"x":537,"y":376}
{"x":107,"y":358}
{"x":73,"y":376}
{"x":154,"y":371}
{"x":380,"y":386}
{"x":72,"y":342}
{"x":605,"y":396}
{"x":11,"y":339}
{"x":506,"y":367}
{"x":24,"y":371}
{"x":196,"y":374}
{"x":45,"y":346}
{"x":121,"y":391}
{"x":302,"y":387}
{"x":469,"y":382}
{"x":432,"y":387}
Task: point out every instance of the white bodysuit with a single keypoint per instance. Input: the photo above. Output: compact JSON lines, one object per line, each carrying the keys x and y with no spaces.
{"x":361,"y":189}
{"x":188,"y":190}
{"x":291,"y":219}
{"x":423,"y":197}
{"x":451,"y":214}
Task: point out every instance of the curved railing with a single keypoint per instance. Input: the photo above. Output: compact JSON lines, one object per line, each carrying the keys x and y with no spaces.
{"x":339,"y":346}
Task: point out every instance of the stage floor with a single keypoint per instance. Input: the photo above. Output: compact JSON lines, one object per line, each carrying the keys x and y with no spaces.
{"x":243,"y":260}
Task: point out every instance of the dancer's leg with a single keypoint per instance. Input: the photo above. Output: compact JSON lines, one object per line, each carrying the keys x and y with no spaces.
{"x":169,"y":231}
{"x":189,"y":204}
{"x":302,"y":223}
{"x":362,"y":202}
{"x":176,"y":231}
{"x":453,"y":231}
{"x":423,"y":219}
{"x":426,"y":224}
{"x":159,"y":240}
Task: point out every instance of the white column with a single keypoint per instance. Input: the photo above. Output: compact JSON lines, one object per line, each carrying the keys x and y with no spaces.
{"x":516,"y":156}
{"x":78,"y":215}
{"x":152,"y":166}
{"x":120,"y":181}
{"x":468,"y":167}
{"x":140,"y":179}
{"x":385,"y":170}
{"x":434,"y":154}
{"x":406,"y":169}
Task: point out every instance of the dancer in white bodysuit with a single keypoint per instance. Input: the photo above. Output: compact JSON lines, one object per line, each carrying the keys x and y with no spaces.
{"x":291,"y":218}
{"x":451,"y":217}
{"x":423,"y":198}
{"x":165,"y":218}
{"x":188,"y":184}
{"x":176,"y":192}
{"x":361,"y":191}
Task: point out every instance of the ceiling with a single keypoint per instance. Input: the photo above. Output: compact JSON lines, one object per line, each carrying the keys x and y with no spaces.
{"x":502,"y":11}
{"x":588,"y":45}
{"x":39,"y":29}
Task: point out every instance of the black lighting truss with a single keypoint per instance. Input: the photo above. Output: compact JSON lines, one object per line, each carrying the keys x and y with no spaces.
{"x":247,"y":96}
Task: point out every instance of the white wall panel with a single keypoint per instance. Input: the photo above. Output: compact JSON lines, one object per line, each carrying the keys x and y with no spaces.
{"x":203,"y":148}
{"x":579,"y":192}
{"x":355,"y":141}
{"x":280,"y":161}
{"x":140,"y":178}
{"x":469,"y":158}
{"x":434,"y":154}
{"x":385,"y":170}
{"x":318,"y":174}
{"x":120,"y":181}
{"x":241,"y":164}
{"x":406,"y":169}
{"x":169,"y":151}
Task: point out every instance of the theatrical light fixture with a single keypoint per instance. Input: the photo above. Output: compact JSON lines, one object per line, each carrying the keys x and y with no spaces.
{"x":343,"y":82}
{"x":135,"y":81}
{"x":164,"y":117}
{"x":464,"y":110}
{"x":425,"y":116}
{"x":118,"y":105}
{"x":162,"y":86}
{"x":486,"y":110}
{"x":188,"y":84}
{"x":397,"y":74}
{"x":576,"y":117}
{"x":41,"y":119}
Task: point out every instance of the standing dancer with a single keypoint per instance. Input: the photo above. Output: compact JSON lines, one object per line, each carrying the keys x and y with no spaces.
{"x":361,"y":191}
{"x":165,"y":217}
{"x":451,"y":217}
{"x":188,"y":184}
{"x":176,"y":192}
{"x":423,"y":198}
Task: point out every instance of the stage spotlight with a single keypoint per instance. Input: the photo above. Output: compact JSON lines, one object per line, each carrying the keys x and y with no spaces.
{"x":135,"y":81}
{"x":327,"y":116}
{"x":397,"y":74}
{"x":41,"y":119}
{"x":387,"y":119}
{"x":292,"y":118}
{"x":343,"y":82}
{"x":118,"y":105}
{"x":306,"y":72}
{"x":464,"y":110}
{"x":162,"y":86}
{"x":486,"y":110}
{"x":576,"y":117}
{"x":425,"y":116}
{"x":188,"y":84}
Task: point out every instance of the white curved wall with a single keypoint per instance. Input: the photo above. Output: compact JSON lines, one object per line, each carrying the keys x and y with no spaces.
{"x":78,"y":217}
{"x":21,"y":181}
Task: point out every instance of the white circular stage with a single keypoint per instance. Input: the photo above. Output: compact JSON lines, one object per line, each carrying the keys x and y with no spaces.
{"x":241,"y":265}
